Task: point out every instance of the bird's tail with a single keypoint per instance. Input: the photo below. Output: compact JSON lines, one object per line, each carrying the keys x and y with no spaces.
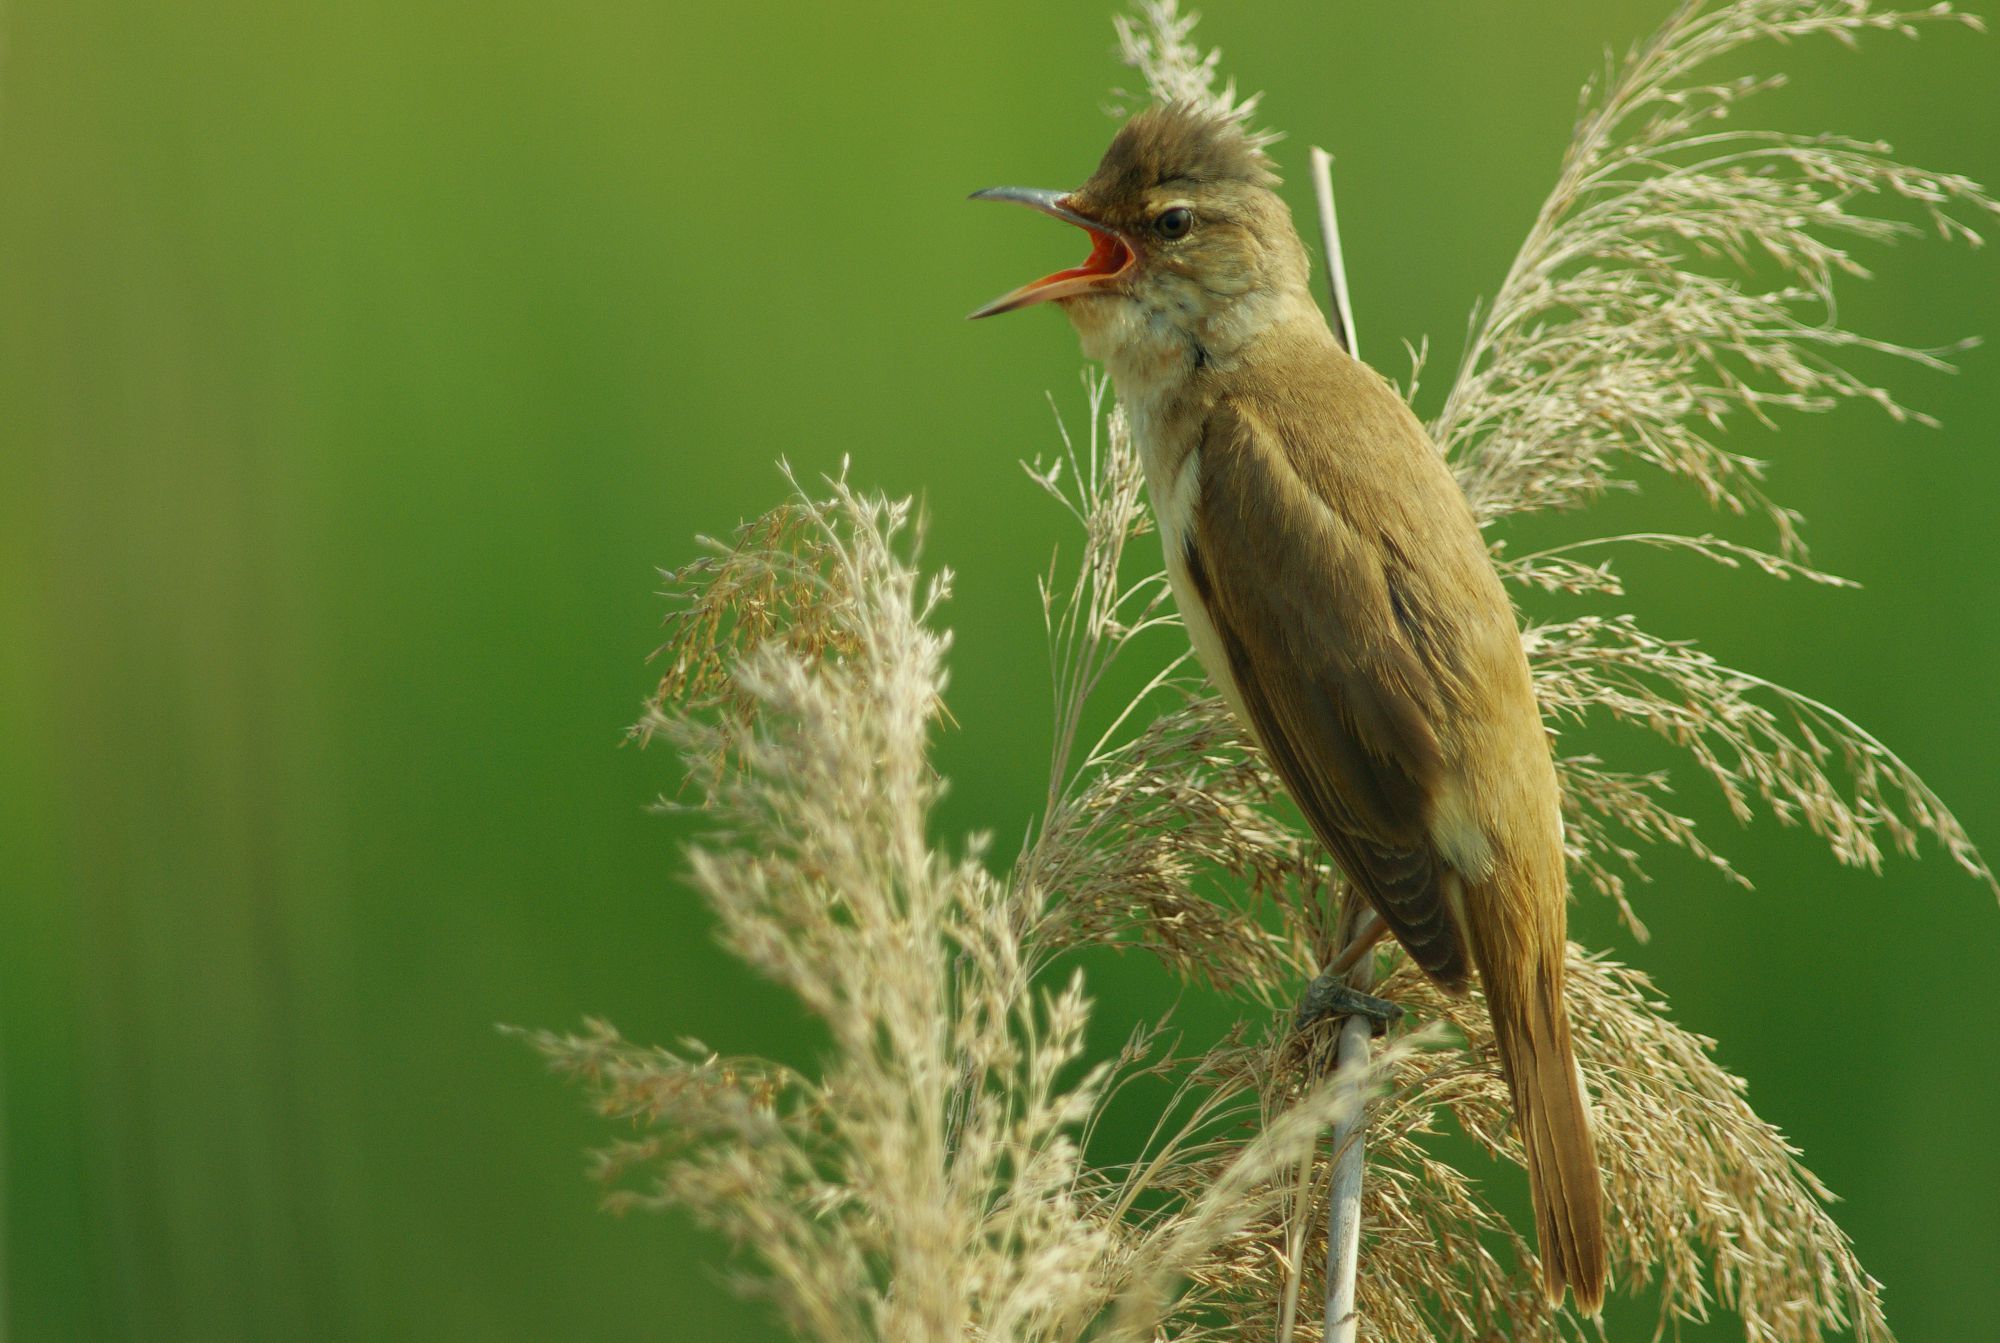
{"x":1531,"y":1024}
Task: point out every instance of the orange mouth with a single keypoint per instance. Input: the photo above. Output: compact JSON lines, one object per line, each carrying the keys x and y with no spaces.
{"x":1110,"y":256}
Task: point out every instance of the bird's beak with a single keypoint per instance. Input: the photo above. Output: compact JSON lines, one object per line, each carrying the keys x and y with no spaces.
{"x":1110,"y":256}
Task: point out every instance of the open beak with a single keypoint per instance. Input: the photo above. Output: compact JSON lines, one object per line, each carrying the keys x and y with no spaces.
{"x":1109,"y":258}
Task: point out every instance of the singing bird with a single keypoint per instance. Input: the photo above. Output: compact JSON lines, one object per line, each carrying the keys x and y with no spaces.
{"x":1335,"y":586}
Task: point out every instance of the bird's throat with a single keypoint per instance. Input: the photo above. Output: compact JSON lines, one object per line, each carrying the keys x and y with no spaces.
{"x":1152,"y":342}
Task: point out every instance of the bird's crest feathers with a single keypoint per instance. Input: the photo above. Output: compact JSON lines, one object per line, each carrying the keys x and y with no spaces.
{"x":1180,"y":142}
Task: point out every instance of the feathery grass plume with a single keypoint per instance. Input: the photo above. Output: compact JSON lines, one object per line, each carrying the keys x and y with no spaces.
{"x":928,"y":1179}
{"x":924,"y":1181}
{"x":1611,"y":341}
{"x":1698,"y":1185}
{"x":1614,"y":341}
{"x":1156,"y":39}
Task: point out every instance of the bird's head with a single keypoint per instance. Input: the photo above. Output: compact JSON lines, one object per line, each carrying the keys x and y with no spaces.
{"x":1189,"y":243}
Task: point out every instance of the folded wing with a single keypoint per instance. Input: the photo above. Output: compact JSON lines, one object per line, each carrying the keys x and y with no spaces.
{"x":1329,"y":657}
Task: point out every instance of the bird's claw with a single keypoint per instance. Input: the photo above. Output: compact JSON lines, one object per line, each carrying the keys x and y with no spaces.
{"x":1329,"y":996}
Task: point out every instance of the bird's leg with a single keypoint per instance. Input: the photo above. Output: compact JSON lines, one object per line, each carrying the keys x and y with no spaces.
{"x":1328,"y":994}
{"x":1371,"y":932}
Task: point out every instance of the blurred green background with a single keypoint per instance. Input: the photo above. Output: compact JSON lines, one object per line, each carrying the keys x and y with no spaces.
{"x":359,"y":362}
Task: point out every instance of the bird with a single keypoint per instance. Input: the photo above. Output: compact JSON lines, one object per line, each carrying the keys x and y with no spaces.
{"x":1339,"y":594}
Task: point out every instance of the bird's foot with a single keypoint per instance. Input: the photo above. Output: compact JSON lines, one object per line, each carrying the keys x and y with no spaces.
{"x":1329,"y":996}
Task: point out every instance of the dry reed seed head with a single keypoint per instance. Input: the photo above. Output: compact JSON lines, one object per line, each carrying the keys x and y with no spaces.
{"x":1610,"y":340}
{"x":1156,"y":39}
{"x":936,"y":1145}
{"x":1697,"y":1183}
{"x":1758,"y":742}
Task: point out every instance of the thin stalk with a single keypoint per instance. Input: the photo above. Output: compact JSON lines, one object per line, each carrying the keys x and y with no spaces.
{"x":1343,"y":1211}
{"x":1343,"y":1226}
{"x":1336,"y":264}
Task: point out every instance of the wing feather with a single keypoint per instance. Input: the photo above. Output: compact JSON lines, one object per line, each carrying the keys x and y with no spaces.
{"x":1338,"y":692}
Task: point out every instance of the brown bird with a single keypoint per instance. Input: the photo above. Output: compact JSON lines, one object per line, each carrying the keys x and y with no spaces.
{"x":1335,"y":585}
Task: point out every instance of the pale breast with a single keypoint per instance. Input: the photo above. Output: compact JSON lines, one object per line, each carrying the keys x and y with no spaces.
{"x":1171,"y":455}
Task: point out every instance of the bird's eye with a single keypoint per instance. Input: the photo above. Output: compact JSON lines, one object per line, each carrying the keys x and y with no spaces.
{"x":1174,"y":223}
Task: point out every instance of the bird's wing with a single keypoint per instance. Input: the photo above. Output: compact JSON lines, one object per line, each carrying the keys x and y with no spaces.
{"x":1328,"y":649}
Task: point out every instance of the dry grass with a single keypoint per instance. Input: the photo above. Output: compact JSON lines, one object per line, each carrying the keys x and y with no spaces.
{"x":928,"y":1181}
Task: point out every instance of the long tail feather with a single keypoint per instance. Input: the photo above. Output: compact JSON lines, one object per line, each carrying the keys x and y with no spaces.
{"x":1531,"y":1026}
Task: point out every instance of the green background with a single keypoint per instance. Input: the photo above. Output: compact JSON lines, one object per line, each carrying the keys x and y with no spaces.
{"x":358,"y":362}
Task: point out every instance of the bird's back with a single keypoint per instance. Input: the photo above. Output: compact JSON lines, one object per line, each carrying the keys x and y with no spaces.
{"x":1368,"y":496}
{"x":1355,"y":444}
